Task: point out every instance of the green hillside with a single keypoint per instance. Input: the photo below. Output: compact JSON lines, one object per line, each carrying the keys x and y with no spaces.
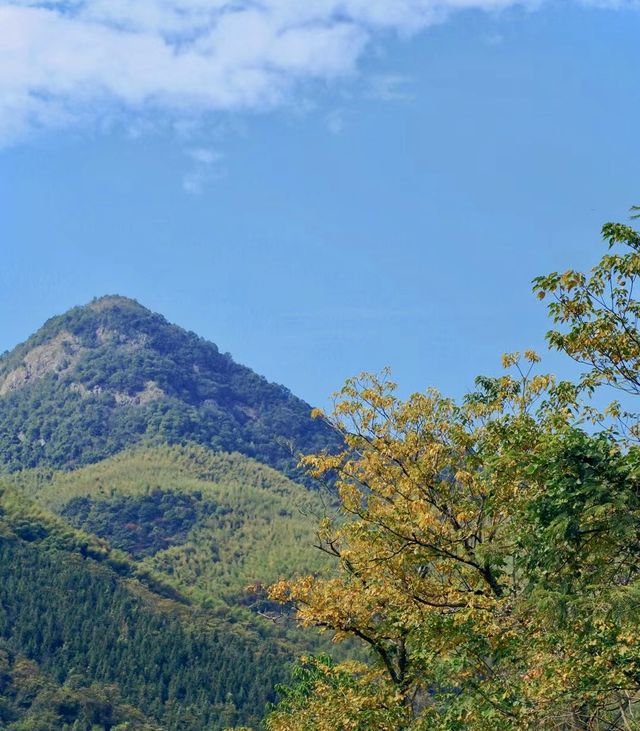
{"x":111,"y":374}
{"x":78,"y":610}
{"x":144,"y":506}
{"x":209,"y":523}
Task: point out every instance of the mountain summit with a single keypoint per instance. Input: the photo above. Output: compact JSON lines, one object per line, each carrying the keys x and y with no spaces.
{"x":110,"y":374}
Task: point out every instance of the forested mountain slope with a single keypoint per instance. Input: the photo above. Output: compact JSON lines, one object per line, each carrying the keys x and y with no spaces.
{"x":209,"y":523}
{"x":110,"y":374}
{"x":31,"y":700}
{"x":144,"y":505}
{"x":91,"y":619}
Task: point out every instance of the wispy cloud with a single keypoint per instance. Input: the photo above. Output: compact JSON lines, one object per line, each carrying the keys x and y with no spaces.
{"x":65,"y":62}
{"x":335,"y":121}
{"x":389,"y":87}
{"x":206,"y":167}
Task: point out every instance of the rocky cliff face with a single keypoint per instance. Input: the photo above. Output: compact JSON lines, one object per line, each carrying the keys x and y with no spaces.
{"x":57,"y":355}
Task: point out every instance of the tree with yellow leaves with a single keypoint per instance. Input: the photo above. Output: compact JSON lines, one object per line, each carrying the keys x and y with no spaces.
{"x":488,"y":554}
{"x":601,"y":313}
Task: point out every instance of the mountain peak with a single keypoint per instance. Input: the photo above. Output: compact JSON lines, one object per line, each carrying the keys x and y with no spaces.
{"x":115,"y":300}
{"x":64,"y":340}
{"x":105,"y":376}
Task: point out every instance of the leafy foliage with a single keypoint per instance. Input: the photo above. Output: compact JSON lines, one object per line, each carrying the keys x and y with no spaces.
{"x":489,"y":550}
{"x":330,"y":697}
{"x":600,"y":313}
{"x":489,"y":559}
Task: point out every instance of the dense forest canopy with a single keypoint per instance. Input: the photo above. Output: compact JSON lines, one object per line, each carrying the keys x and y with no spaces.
{"x":209,"y":523}
{"x":91,"y":619}
{"x":164,"y":542}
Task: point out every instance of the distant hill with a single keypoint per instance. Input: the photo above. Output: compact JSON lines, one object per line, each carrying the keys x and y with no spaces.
{"x":111,"y":374}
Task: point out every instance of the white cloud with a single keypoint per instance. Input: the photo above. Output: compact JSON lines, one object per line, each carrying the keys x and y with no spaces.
{"x":66,"y":62}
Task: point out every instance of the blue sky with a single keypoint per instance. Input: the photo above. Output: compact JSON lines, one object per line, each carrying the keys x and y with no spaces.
{"x":384,"y":200}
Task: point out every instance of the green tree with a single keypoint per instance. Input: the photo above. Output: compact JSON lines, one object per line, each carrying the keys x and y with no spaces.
{"x":489,"y":550}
